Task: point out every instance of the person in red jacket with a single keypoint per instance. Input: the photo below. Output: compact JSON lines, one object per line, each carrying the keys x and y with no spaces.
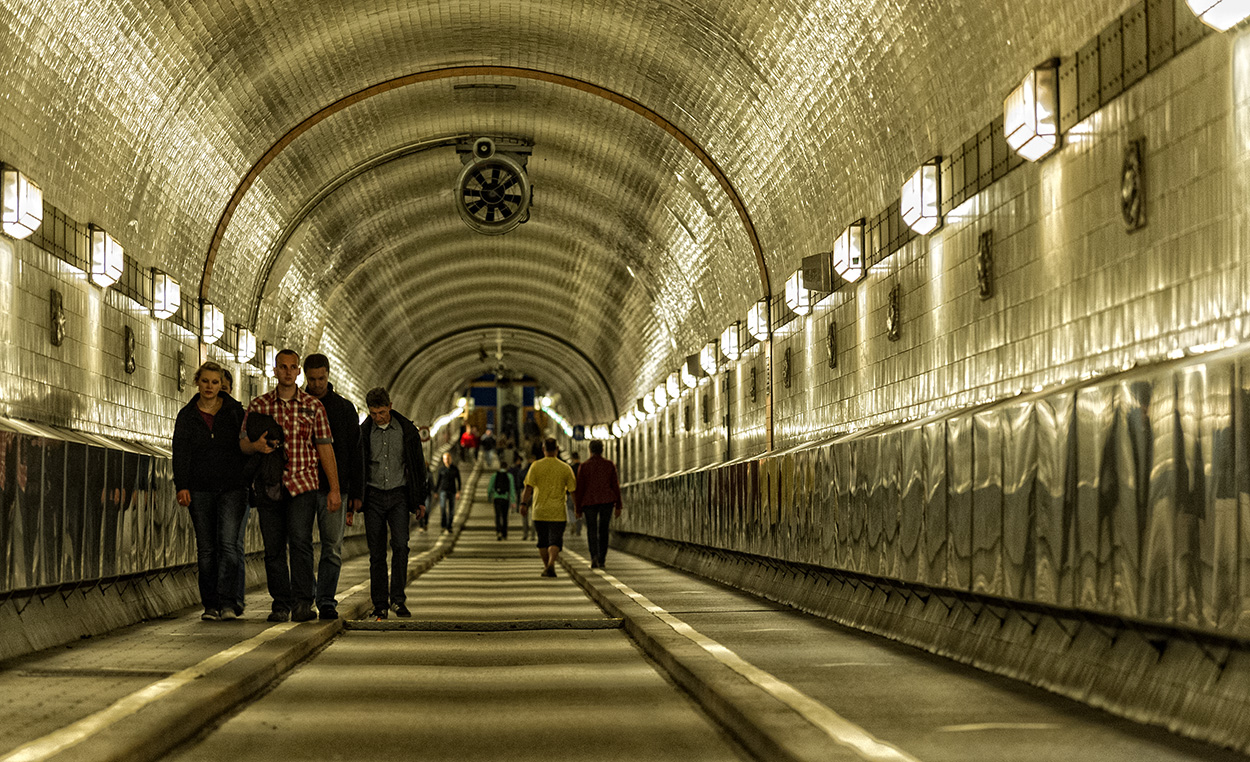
{"x":598,"y":498}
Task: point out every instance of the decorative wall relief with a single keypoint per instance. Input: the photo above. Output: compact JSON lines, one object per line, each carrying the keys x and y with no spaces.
{"x":831,"y":343}
{"x":686,"y":415}
{"x":894,"y":315}
{"x":754,"y":386}
{"x":1133,"y":185}
{"x":182,"y":372}
{"x":985,"y":264}
{"x":706,"y":408}
{"x":130,"y":350}
{"x":785,"y":368}
{"x":57,"y":310}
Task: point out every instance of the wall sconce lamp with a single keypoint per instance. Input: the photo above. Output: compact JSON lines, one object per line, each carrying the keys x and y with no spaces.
{"x":672,"y":385}
{"x":244,"y":343}
{"x":922,"y":198}
{"x":212,"y":323}
{"x":1221,"y":14}
{"x":23,"y":203}
{"x":648,"y":402}
{"x":798,"y":297}
{"x":600,"y":431}
{"x":757,"y":320}
{"x":1031,"y":112}
{"x":731,"y":342}
{"x":107,"y":258}
{"x":692,"y":371}
{"x":166,"y":295}
{"x":848,"y":252}
{"x":269,"y":356}
{"x":618,"y":430}
{"x":660,"y":396}
{"x":708,"y":359}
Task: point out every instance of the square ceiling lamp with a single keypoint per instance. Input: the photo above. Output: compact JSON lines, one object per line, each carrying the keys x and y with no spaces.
{"x":618,"y":431}
{"x":672,"y":385}
{"x":1221,"y":14}
{"x":848,"y":252}
{"x":22,"y":203}
{"x":269,"y":355}
{"x":708,"y":358}
{"x":244,"y":343}
{"x":731,"y":342}
{"x":107,"y":258}
{"x":212,"y":323}
{"x":166,"y":295}
{"x":1031,"y":113}
{"x":659,"y":398}
{"x":757,"y":320}
{"x":798,"y":298}
{"x":922,"y":200}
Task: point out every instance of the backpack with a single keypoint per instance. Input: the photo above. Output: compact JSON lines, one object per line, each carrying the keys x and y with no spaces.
{"x":501,"y":489}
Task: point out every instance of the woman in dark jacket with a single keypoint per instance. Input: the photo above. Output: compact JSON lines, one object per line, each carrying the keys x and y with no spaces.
{"x":208,"y":474}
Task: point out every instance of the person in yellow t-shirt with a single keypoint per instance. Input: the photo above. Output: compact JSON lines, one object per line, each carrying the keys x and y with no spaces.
{"x":546,"y":484}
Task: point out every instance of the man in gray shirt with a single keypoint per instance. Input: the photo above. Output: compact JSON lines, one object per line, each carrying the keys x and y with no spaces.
{"x":395,"y":486}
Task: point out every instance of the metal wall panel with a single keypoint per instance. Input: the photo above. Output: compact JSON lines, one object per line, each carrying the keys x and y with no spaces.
{"x":1157,"y":576}
{"x":1222,"y":495}
{"x":871,"y":479}
{"x":1092,"y":546}
{"x":1056,"y":453}
{"x":959,"y":501}
{"x":912,"y":554}
{"x":1132,"y":441}
{"x":1019,"y":500}
{"x":936,"y":529}
{"x":987,"y":502}
{"x":888,"y":466}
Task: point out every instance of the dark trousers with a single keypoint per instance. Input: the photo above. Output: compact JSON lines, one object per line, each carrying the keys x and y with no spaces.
{"x":597,"y":518}
{"x":387,"y":510}
{"x":501,"y":516}
{"x":289,"y":524}
{"x":216,"y":517}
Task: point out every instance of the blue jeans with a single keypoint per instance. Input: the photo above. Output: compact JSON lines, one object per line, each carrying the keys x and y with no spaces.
{"x":331,"y":526}
{"x":289,"y":525}
{"x":216,"y":517}
{"x":387,"y":511}
{"x":447,"y":508}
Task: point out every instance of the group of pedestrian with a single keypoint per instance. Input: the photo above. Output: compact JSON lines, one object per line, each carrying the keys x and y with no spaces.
{"x":300,"y":456}
{"x":596,"y":493}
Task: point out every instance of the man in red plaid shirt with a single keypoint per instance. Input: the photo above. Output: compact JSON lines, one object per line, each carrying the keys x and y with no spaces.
{"x":308,"y":443}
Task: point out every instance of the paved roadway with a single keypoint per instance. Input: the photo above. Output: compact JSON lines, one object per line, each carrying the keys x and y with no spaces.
{"x":498,"y":663}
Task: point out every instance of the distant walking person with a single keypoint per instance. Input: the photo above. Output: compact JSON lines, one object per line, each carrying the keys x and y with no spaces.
{"x":598,"y":497}
{"x":286,"y":518}
{"x":487,"y":444}
{"x":548,"y":482}
{"x":519,"y":469}
{"x":572,"y":516}
{"x":503,"y":492}
{"x":395,"y":486}
{"x":448,"y":482}
{"x":208,"y":477}
{"x":345,"y":426}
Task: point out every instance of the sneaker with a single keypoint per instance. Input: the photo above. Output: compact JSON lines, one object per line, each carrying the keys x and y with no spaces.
{"x":281,"y":615}
{"x":550,"y":571}
{"x":378,"y":615}
{"x":328,"y":612}
{"x":401,"y":610}
{"x":228,"y":614}
{"x":210,"y":615}
{"x":302,"y":613}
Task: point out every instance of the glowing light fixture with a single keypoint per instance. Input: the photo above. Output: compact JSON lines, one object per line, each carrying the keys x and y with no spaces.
{"x":107,"y":258}
{"x":691,"y":372}
{"x":798,"y":298}
{"x":600,"y":431}
{"x":244,"y":343}
{"x":660,"y":395}
{"x":166,"y":295}
{"x":23,"y":203}
{"x":269,"y":355}
{"x":731,"y":342}
{"x":648,"y":404}
{"x":1221,"y":14}
{"x":848,"y":252}
{"x":1031,"y":113}
{"x":708,"y":358}
{"x":757,"y":320}
{"x":922,"y":199}
{"x":672,"y":385}
{"x":212,"y":323}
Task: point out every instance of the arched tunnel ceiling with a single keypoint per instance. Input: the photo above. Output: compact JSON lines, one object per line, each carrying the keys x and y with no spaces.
{"x":144,"y":117}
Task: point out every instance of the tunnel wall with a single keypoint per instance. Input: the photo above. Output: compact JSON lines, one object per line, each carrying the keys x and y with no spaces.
{"x":1127,"y":496}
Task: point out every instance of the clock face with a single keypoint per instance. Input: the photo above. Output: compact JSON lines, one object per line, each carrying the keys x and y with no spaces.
{"x":493,"y":195}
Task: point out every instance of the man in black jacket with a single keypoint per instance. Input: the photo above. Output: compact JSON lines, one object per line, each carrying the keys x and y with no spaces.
{"x":345,"y":425}
{"x":394,"y":481}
